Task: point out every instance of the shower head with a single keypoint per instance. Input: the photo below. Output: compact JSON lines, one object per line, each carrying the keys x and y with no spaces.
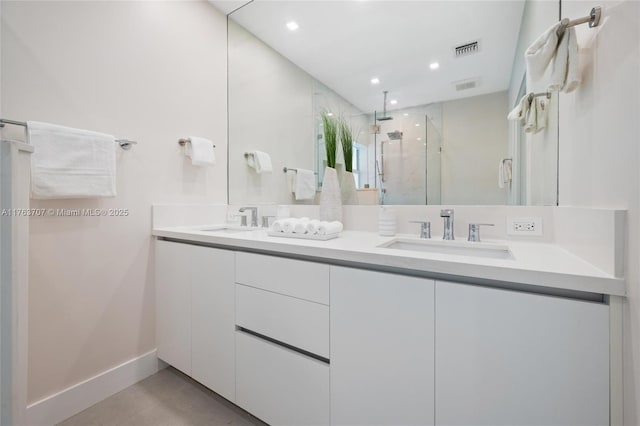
{"x":395,"y":136}
{"x":384,"y":109}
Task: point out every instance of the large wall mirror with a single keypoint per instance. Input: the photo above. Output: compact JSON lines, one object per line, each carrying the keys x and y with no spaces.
{"x":452,"y":72}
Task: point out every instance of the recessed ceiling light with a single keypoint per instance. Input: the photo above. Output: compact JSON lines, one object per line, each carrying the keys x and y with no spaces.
{"x":393,"y":102}
{"x":418,"y":139}
{"x":406,"y":114}
{"x":375,"y":80}
{"x":417,"y":124}
{"x":434,"y":65}
{"x":292,"y":25}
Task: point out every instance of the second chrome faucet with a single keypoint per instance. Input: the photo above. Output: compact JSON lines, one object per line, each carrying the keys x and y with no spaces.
{"x":447,"y":214}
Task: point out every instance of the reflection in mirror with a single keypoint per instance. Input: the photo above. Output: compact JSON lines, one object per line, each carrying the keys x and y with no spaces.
{"x":446,"y":136}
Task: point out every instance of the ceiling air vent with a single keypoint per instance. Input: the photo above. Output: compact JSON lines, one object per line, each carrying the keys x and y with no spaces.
{"x":465,"y":84}
{"x":467,"y":49}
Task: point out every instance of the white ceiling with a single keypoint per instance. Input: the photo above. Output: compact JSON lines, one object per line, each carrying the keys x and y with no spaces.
{"x":228,"y":6}
{"x":346,"y":43}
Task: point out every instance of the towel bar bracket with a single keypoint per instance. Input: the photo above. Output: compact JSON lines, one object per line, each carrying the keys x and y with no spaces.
{"x":125,"y":143}
{"x":593,"y":19}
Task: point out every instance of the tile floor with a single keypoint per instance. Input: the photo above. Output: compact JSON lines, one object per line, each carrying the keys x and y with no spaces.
{"x":168,"y":398}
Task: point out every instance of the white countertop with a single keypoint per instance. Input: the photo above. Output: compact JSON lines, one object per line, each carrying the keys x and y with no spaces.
{"x":539,"y":264}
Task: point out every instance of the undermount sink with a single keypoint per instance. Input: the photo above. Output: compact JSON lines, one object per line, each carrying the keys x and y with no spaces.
{"x":228,"y":229}
{"x":460,"y":248}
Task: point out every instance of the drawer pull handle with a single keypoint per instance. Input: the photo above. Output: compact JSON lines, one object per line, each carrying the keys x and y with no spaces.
{"x":284,"y":345}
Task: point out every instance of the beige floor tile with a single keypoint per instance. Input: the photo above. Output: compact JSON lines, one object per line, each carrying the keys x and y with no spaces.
{"x":168,"y":398}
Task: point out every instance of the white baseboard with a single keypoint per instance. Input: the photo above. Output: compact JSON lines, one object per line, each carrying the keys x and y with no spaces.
{"x":62,"y":405}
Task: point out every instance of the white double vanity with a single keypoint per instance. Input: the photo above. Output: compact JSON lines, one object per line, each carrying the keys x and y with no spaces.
{"x":348,"y":331}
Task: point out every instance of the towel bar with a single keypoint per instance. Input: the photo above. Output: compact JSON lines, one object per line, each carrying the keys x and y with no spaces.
{"x":290,"y":169}
{"x":593,"y":19}
{"x":124,"y":143}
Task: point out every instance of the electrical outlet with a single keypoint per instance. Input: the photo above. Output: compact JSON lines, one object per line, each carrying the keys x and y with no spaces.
{"x":524,"y":226}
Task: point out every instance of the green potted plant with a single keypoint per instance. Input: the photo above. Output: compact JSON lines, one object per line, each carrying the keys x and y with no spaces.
{"x":330,"y":129}
{"x":347,"y":180}
{"x":330,"y":197}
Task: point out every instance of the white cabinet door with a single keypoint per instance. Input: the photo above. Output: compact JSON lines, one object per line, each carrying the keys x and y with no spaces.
{"x":173,"y":304}
{"x":382,"y":355}
{"x":212,"y":321}
{"x":512,"y":358}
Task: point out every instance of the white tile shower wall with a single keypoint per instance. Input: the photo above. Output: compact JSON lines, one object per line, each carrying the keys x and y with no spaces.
{"x":136,"y":70}
{"x":599,"y":149}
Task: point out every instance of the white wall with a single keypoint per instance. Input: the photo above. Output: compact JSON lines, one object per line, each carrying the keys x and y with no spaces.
{"x":599,"y":154}
{"x":149,"y":71}
{"x":270,"y":110}
{"x":273,"y":107}
{"x":474,"y":140}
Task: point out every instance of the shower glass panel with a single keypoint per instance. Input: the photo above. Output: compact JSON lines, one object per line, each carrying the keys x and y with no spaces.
{"x":408,"y":156}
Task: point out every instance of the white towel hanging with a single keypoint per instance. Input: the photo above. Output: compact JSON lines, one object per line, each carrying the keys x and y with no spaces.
{"x":71,"y":163}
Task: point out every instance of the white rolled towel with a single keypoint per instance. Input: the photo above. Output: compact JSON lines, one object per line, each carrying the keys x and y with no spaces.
{"x":288,"y":225}
{"x":276,"y":226}
{"x":326,"y":228}
{"x":301,"y":226}
{"x":312,"y":226}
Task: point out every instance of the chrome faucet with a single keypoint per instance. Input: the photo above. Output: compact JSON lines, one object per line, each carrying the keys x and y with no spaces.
{"x":474,"y":231}
{"x":447,"y":214}
{"x":254,"y":216}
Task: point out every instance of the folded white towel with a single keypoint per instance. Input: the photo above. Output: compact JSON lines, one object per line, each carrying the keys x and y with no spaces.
{"x":329,"y":228}
{"x":504,"y":172}
{"x":530,"y":122}
{"x":200,"y":150}
{"x":260,"y":161}
{"x":71,"y":163}
{"x":574,"y":74}
{"x":566,"y":64}
{"x":537,"y":115}
{"x":532,"y":111}
{"x":304,"y":184}
{"x":312,"y":226}
{"x":541,"y":51}
{"x":521,"y":110}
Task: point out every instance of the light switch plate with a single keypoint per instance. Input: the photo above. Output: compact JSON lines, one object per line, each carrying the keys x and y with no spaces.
{"x":524,"y":226}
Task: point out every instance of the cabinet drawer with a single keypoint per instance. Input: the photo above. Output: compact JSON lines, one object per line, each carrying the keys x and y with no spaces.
{"x":297,"y":322}
{"x":297,"y":278}
{"x":280,"y":386}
